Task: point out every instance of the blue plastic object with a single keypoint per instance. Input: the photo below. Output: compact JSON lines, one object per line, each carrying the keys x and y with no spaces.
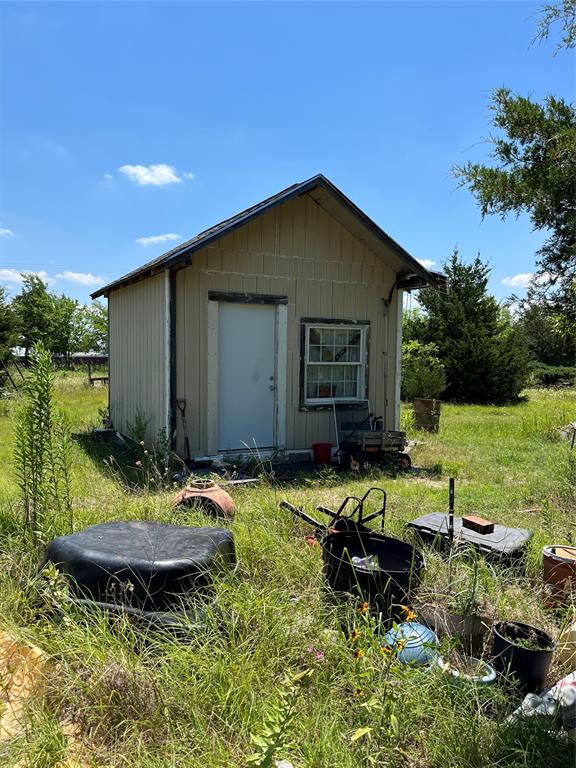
{"x":412,"y":642}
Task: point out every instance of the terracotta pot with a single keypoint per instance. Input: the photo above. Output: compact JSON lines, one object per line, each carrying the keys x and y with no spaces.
{"x":559,"y":574}
{"x":426,"y":413}
{"x":208,"y":496}
{"x":469,"y":630}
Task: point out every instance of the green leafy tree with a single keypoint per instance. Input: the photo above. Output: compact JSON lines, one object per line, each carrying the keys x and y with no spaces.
{"x":7,"y":326}
{"x":414,"y":325}
{"x":482,"y":350}
{"x":550,"y":338}
{"x":423,"y":373}
{"x":34,"y":310}
{"x":62,"y":337}
{"x":534,"y":173}
{"x":91,"y":328}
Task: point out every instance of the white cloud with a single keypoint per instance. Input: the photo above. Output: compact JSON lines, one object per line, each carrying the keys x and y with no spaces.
{"x":4,"y":232}
{"x":427,"y":263}
{"x":81,"y":278}
{"x":158,"y":175}
{"x":154,"y":239}
{"x":108,"y":176}
{"x":521,"y":280}
{"x":15,"y":275}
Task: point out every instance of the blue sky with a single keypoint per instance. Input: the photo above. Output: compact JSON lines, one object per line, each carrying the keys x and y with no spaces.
{"x":231,"y":102}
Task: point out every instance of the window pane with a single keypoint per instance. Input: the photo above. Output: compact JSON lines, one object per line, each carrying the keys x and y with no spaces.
{"x":349,"y":390}
{"x":341,"y":338}
{"x":352,"y":355}
{"x":313,"y":373}
{"x":314,"y":353}
{"x":314,"y":336}
{"x":327,"y":336}
{"x":339,"y":373}
{"x":327,"y":354}
{"x":312,"y":390}
{"x":339,"y":389}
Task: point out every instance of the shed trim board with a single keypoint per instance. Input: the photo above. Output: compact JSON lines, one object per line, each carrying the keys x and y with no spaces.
{"x":167,"y":354}
{"x":398,"y":366}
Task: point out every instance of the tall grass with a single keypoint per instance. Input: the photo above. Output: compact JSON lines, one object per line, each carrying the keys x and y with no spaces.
{"x":118,"y":696}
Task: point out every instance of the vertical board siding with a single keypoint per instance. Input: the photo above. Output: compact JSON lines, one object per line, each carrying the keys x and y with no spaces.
{"x":301,"y":251}
{"x":137,"y":356}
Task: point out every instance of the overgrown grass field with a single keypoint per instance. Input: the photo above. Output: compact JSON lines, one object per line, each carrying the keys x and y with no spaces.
{"x":272,"y":671}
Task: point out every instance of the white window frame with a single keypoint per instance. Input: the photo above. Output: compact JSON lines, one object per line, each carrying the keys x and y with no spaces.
{"x":360,"y":366}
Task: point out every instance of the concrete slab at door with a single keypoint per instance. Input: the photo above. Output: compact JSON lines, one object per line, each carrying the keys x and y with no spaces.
{"x":246,"y":371}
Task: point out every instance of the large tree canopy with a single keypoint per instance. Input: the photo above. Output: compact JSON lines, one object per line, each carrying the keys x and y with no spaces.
{"x":534,"y":173}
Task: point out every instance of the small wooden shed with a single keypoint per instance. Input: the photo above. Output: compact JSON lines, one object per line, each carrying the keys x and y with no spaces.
{"x":260,"y":323}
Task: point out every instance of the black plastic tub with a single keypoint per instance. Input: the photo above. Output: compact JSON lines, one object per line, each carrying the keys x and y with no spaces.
{"x":399,"y":566}
{"x":143,"y":565}
{"x":528,"y":667}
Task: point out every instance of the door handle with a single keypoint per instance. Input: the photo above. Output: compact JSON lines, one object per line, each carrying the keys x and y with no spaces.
{"x":272,"y":387}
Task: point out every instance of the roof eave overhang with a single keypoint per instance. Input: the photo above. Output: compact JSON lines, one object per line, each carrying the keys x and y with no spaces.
{"x":413,"y":282}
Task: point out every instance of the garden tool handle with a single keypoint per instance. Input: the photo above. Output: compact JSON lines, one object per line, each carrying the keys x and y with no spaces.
{"x":342,"y":507}
{"x":379,"y":513}
{"x":301,"y":514}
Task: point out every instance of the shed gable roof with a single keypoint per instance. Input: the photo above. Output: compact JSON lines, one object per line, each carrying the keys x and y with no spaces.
{"x":327,"y":195}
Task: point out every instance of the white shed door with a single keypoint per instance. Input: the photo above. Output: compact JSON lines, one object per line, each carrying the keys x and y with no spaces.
{"x":246,"y":375}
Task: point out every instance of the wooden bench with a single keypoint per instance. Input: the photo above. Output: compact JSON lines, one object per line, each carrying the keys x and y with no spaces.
{"x":92,"y":379}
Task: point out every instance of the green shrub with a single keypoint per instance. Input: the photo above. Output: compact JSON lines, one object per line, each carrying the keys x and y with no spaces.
{"x":422,"y":372}
{"x":552,"y":375}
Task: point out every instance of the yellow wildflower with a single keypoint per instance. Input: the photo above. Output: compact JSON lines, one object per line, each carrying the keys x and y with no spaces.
{"x":359,"y":654}
{"x":409,"y":613}
{"x":364,"y":608}
{"x":354,"y":635}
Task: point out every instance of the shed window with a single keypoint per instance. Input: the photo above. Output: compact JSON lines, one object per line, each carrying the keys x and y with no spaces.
{"x":335,"y":358}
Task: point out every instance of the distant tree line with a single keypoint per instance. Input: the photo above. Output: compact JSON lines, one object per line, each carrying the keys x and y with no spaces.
{"x":60,"y":324}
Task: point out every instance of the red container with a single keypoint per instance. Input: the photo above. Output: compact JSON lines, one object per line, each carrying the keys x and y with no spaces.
{"x":322,"y":453}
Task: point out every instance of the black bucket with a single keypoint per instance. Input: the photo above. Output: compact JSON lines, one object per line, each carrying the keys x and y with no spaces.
{"x":398,"y":571}
{"x":528,"y":667}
